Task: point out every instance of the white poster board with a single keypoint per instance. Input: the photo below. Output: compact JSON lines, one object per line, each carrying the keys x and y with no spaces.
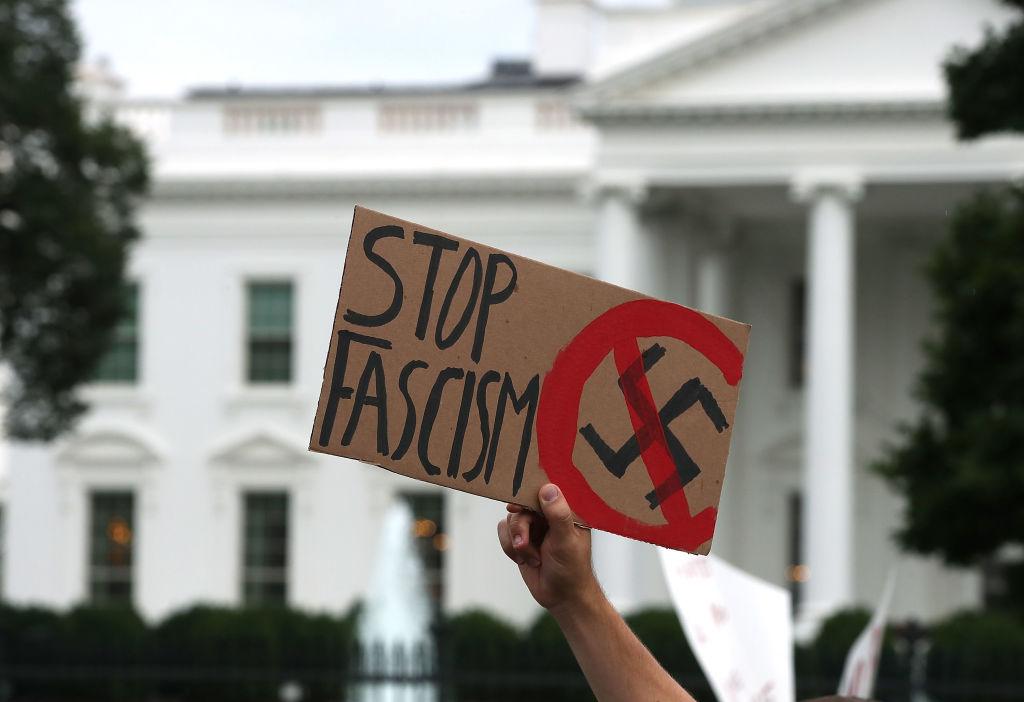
{"x":739,"y":627}
{"x":861,"y":667}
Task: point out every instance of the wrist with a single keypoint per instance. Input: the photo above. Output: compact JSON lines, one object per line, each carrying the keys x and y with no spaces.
{"x":585,"y":602}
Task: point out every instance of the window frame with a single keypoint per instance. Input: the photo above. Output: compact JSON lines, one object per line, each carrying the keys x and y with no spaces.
{"x":137,"y":340}
{"x":245,"y":492}
{"x":435,"y":578}
{"x":92,"y":492}
{"x":248,"y":285}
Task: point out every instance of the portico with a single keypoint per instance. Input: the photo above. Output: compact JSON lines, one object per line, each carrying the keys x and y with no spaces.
{"x":853,"y":247}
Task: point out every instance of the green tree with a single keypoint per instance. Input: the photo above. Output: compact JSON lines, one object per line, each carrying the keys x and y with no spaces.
{"x":68,"y":189}
{"x":960,"y":466}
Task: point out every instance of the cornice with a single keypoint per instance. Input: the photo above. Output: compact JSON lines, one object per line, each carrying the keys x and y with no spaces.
{"x":759,"y":113}
{"x":240,"y":187}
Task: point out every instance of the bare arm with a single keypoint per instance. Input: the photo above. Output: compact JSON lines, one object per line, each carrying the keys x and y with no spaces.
{"x":554,"y":560}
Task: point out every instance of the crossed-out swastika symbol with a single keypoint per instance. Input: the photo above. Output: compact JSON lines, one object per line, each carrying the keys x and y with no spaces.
{"x":688,"y":394}
{"x":618,"y":331}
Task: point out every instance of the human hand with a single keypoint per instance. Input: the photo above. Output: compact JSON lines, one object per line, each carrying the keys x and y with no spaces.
{"x":553,"y":554}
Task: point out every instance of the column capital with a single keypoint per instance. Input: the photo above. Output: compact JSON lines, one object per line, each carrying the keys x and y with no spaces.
{"x":807,"y":186}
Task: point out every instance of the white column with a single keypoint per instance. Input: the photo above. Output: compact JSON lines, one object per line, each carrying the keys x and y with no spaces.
{"x":625,"y":247}
{"x":828,"y":424}
{"x":713,"y":281}
{"x":625,"y":252}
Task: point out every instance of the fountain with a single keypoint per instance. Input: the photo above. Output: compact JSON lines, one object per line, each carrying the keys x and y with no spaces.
{"x":395,"y":621}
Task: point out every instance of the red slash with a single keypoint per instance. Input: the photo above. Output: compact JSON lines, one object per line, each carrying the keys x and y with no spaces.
{"x":617,"y":331}
{"x":647,"y":425}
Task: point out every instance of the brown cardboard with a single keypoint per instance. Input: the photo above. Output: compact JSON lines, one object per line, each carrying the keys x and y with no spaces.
{"x":550,"y":377}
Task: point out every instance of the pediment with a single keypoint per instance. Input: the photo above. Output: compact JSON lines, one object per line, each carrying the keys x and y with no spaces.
{"x":110,"y":447}
{"x":260,"y":447}
{"x":806,"y":52}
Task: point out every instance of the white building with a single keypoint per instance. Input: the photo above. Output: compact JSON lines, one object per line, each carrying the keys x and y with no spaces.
{"x":727,"y":154}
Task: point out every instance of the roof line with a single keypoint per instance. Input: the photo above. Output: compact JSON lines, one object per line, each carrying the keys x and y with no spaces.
{"x":690,"y":53}
{"x":334,"y":91}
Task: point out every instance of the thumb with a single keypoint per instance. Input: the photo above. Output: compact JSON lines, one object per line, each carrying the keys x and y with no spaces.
{"x":556,"y":511}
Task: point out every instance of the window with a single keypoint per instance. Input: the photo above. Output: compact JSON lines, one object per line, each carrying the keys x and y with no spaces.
{"x":265,"y":548}
{"x":1001,"y":576}
{"x":796,"y":570}
{"x":270,"y":332}
{"x":120,"y":364}
{"x":797,"y":332}
{"x":431,"y":539}
{"x":2,"y":560}
{"x":111,"y":547}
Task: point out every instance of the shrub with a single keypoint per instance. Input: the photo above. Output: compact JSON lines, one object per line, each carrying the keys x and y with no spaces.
{"x":483,"y":651}
{"x":984,"y":648}
{"x":243,"y":654}
{"x":819,"y":664}
{"x":660,"y":631}
{"x":549,"y":662}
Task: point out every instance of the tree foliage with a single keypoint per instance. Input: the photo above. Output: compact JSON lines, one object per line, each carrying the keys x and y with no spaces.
{"x":986,"y":84}
{"x":961,"y":465}
{"x":68,"y":189}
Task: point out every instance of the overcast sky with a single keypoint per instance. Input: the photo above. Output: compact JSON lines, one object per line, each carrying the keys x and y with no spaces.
{"x":161,"y":47}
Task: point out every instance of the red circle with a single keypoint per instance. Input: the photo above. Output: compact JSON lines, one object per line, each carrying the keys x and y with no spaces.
{"x":558,"y":412}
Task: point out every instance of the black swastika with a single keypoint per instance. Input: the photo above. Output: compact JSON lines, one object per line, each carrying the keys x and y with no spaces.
{"x":688,"y":394}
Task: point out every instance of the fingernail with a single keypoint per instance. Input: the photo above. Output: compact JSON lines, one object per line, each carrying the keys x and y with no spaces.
{"x":520,"y":560}
{"x":517,"y":541}
{"x":549,"y":493}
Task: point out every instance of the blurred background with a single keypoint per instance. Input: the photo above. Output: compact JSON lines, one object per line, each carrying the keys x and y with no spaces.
{"x":176,"y":187}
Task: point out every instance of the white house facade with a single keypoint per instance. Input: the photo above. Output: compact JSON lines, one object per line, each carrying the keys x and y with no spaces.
{"x":786,"y":163}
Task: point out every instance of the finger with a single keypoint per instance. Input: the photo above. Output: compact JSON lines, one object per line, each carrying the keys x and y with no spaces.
{"x":557,"y":512}
{"x":514,"y":508}
{"x":520,"y":527}
{"x":505,"y":539}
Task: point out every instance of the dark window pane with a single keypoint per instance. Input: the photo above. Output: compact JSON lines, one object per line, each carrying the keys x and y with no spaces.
{"x":111,"y":546}
{"x":2,"y":554}
{"x":796,"y":570}
{"x":797,"y":332}
{"x":269,"y":334}
{"x":265,"y":548}
{"x":120,"y":364}
{"x":431,"y":538}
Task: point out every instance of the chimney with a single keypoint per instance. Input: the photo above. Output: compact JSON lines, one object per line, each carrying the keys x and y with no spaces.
{"x":563,"y":36}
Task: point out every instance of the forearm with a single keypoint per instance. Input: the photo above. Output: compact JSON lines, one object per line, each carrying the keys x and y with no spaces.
{"x":617,"y":665}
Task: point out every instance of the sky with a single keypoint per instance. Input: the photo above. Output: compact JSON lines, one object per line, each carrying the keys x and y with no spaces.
{"x":162,"y":47}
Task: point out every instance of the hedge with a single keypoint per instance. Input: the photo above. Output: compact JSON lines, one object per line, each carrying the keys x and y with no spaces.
{"x":212,"y":653}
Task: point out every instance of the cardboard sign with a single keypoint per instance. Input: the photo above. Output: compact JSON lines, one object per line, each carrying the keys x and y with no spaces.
{"x":468,"y":367}
{"x":739,"y":627}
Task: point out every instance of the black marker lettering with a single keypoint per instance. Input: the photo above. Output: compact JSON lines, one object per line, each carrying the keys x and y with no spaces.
{"x":455,"y":457}
{"x":527,"y":401}
{"x":339,"y":391}
{"x":471,"y":257}
{"x":374,"y":367}
{"x":378,"y":320}
{"x":430,"y":414}
{"x":485,"y":427}
{"x":439,"y":244}
{"x":490,"y":297}
{"x":410,"y":408}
